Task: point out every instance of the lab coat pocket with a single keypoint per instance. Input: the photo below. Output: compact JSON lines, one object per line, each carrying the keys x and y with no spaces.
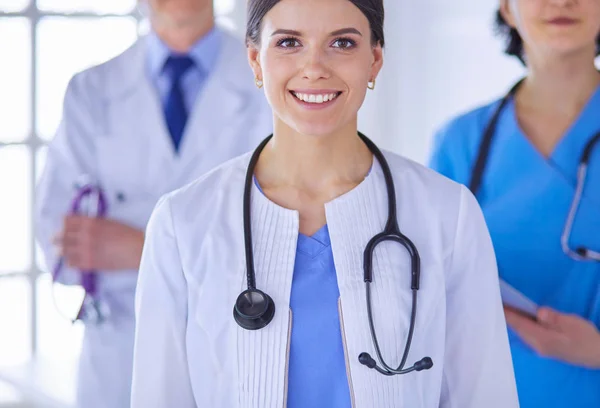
{"x":212,"y":293}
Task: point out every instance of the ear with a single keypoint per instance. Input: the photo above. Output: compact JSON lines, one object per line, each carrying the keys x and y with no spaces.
{"x":507,"y":12}
{"x":254,"y":60}
{"x":377,"y":61}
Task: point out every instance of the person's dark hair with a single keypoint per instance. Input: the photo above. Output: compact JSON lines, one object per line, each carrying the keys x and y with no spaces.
{"x":514,"y":42}
{"x":257,"y":9}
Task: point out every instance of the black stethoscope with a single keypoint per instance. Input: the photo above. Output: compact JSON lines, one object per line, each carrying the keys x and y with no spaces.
{"x":255,"y":309}
{"x":580,"y":253}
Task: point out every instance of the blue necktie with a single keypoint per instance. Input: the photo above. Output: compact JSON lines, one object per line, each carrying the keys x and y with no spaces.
{"x":175,"y":112}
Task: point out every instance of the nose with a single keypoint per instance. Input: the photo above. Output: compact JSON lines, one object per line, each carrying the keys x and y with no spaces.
{"x":315,"y":65}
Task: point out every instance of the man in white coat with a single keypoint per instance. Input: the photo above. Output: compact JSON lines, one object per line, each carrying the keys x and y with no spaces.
{"x":177,"y":103}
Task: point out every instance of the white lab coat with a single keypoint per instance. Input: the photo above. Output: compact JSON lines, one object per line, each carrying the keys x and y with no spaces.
{"x":189,"y":352}
{"x":113,"y":131}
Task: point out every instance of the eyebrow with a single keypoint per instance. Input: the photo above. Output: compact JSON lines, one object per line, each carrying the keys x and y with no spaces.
{"x":348,"y":30}
{"x":342,"y":31}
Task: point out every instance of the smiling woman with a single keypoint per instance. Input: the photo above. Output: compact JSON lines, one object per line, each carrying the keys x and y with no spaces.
{"x":340,"y":60}
{"x":324,"y":235}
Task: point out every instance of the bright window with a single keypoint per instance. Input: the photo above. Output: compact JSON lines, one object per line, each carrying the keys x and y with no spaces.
{"x":15,"y":309}
{"x":15,"y":79}
{"x":46,"y":42}
{"x":13,"y":5}
{"x":90,"y":6}
{"x":15,"y":209}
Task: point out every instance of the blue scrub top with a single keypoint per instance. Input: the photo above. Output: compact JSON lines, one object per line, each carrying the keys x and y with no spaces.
{"x":525,"y":198}
{"x":317,"y":366}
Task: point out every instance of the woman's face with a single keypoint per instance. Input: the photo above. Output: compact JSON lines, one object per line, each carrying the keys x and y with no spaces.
{"x":554,"y":26}
{"x":315,"y":58}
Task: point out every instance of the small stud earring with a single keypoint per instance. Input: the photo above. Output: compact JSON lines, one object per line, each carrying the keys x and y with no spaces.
{"x":259,"y":83}
{"x":371,"y":84}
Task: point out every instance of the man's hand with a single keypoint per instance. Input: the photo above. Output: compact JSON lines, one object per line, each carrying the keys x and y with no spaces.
{"x":99,"y":244}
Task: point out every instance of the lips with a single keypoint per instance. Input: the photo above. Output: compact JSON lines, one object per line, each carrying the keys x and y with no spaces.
{"x":562,"y":21}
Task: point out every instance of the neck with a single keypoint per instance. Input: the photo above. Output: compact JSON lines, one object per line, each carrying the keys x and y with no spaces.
{"x":559,"y":84}
{"x":313,"y":163}
{"x":181,"y":35}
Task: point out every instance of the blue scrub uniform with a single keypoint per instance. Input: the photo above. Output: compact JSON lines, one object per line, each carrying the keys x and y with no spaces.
{"x":525,"y":198}
{"x":317,"y":367}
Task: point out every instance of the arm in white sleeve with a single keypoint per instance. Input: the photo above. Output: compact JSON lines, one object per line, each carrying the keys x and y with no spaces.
{"x":70,"y":155}
{"x":160,"y":367}
{"x":478,"y":370}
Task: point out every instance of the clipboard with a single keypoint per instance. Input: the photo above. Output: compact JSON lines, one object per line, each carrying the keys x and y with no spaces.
{"x":514,"y":299}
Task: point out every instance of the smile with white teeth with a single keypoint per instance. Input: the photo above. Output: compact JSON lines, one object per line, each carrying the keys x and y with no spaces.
{"x":316,"y":98}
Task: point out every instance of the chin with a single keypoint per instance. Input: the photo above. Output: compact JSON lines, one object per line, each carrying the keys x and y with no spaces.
{"x":178,"y":16}
{"x":315,"y":130}
{"x":566,"y":49}
{"x":315,"y":126}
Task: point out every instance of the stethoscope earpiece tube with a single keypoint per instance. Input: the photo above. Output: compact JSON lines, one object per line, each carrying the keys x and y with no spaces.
{"x":587,"y":152}
{"x":250,"y":274}
{"x":423,"y":364}
{"x":255,"y":309}
{"x":486,"y":141}
{"x":579,"y":254}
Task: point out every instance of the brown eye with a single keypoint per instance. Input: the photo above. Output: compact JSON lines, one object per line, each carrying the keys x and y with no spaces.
{"x":344,"y":43}
{"x":288,"y":43}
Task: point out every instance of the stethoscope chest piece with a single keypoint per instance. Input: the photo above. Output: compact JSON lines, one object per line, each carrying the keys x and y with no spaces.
{"x":253,"y":309}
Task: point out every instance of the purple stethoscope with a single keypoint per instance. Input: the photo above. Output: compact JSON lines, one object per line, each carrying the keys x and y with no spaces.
{"x":92,"y":309}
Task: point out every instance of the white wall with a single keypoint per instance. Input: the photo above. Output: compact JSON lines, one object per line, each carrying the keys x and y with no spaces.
{"x":441,"y":59}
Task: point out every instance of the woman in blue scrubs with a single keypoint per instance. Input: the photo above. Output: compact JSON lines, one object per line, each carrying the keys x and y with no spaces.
{"x":520,"y":156}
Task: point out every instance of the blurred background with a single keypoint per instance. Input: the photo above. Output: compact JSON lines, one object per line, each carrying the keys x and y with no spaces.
{"x":441,"y":59}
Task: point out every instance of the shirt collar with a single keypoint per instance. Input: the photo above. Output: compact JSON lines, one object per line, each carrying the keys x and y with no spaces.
{"x":204,"y":52}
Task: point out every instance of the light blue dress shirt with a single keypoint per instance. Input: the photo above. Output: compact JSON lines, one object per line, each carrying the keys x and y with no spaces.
{"x":525,"y":198}
{"x":204,"y":53}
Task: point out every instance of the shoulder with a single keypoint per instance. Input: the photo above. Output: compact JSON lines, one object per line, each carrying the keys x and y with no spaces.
{"x":233,"y":64}
{"x":467,"y":128}
{"x":206,"y":197}
{"x":112,"y":76}
{"x":441,"y":206}
{"x":456,"y":143}
{"x":425,"y":184}
{"x":440,"y":200}
{"x":232,"y":44}
{"x":233,"y":73}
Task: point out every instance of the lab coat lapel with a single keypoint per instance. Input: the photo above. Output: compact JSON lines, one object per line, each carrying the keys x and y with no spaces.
{"x":391,"y":295}
{"x":216,"y":121}
{"x":138,"y":126}
{"x":263,"y":354}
